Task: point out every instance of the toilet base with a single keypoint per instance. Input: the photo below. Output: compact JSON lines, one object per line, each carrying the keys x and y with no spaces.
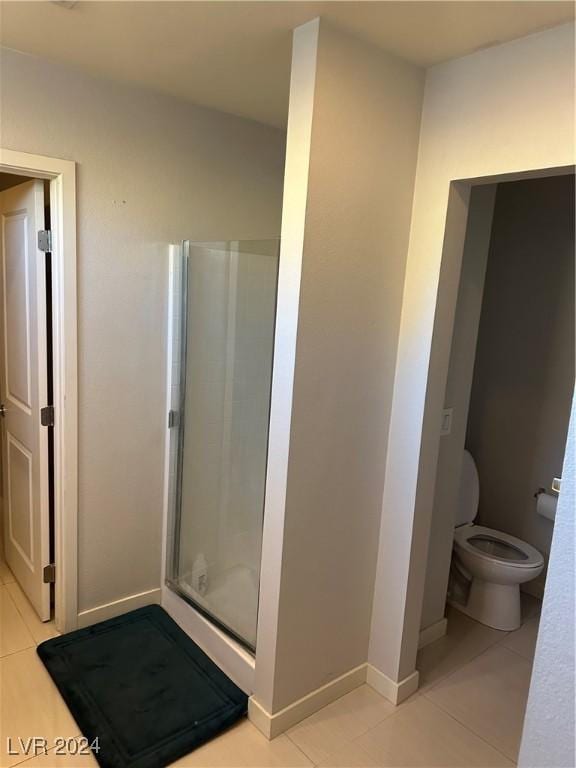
{"x":495,"y":605}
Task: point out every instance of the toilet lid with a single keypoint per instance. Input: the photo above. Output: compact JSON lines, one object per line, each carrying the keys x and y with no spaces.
{"x":497,"y":545}
{"x":469,"y":494}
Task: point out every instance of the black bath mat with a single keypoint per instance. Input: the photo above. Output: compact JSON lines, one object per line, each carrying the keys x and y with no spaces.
{"x":142,"y":687}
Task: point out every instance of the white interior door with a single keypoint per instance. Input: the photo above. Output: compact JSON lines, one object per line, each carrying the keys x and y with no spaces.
{"x":23,"y":389}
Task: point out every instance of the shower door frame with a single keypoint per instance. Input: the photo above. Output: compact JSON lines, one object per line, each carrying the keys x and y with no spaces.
{"x":232,"y":657}
{"x":174,"y":555}
{"x":173,"y":512}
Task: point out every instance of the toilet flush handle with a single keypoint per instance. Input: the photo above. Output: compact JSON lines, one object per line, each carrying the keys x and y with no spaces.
{"x":555,"y":487}
{"x":556,"y":483}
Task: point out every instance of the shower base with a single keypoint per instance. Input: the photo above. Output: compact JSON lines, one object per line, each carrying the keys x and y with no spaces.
{"x":232,"y":598}
{"x":221,"y":647}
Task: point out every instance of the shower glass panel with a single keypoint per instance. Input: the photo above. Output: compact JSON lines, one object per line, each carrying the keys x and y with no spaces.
{"x":225,"y":312}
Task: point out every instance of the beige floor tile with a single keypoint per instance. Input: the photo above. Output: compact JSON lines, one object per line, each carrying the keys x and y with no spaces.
{"x":243,"y":746}
{"x":421,"y":734}
{"x":66,"y":760}
{"x":30,"y":704}
{"x":321,"y":734}
{"x":464,"y":640}
{"x":350,"y":755}
{"x":14,"y":635}
{"x":6,"y":575}
{"x":523,"y":640}
{"x":489,"y":695}
{"x":40,"y":630}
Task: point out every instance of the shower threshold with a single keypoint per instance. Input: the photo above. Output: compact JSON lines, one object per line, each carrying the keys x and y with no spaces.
{"x":232,"y":594}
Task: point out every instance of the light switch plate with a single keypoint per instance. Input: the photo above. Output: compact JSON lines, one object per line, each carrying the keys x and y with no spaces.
{"x":446,"y":425}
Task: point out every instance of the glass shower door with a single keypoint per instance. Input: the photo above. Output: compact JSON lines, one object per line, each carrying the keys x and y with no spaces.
{"x":226,"y":317}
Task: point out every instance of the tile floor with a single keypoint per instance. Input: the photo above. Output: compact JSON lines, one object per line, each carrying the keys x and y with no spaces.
{"x":467,"y":713}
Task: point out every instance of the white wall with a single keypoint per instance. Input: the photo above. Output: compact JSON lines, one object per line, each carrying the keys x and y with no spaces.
{"x":500,"y":111}
{"x":151,"y":170}
{"x":524,"y":372}
{"x":548,"y":738}
{"x":298,"y":145}
{"x":365,"y":116}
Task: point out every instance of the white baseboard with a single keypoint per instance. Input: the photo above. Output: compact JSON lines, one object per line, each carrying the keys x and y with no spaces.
{"x":433,"y":632}
{"x":273,"y":725}
{"x":118,"y":607}
{"x":390,"y":689}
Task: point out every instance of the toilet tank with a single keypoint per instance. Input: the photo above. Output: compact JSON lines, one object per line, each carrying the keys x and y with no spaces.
{"x":469,"y":492}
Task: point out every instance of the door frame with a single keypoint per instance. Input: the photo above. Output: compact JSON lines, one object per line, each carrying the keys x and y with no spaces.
{"x":424,"y":440}
{"x":62,"y":177}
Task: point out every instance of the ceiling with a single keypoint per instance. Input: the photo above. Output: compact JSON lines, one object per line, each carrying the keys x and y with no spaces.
{"x":235,"y":56}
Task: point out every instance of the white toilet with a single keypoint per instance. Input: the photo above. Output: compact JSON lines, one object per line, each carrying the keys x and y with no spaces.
{"x":488,"y":566}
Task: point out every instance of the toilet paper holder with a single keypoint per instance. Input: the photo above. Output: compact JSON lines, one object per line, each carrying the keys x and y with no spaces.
{"x":555,"y":487}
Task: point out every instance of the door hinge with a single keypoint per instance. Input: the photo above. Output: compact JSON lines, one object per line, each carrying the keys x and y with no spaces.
{"x":45,"y":240}
{"x":47,"y":416}
{"x":49,"y":574}
{"x":173,"y":419}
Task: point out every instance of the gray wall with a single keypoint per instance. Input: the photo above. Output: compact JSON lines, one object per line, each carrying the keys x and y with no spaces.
{"x":548,"y":738}
{"x":524,"y":371}
{"x":151,"y":171}
{"x":366,"y":118}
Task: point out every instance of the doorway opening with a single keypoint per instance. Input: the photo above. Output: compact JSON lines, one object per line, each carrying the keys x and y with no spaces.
{"x":504,"y":424}
{"x":38,"y":387}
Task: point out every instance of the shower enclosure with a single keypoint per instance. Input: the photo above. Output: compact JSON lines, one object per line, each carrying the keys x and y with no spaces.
{"x":223,"y":315}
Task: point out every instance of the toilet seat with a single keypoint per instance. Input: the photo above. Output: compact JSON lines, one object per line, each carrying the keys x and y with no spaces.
{"x":505,"y":548}
{"x":489,"y":565}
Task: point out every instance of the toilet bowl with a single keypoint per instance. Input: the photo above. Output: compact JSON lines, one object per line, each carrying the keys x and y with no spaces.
{"x":490,"y":563}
